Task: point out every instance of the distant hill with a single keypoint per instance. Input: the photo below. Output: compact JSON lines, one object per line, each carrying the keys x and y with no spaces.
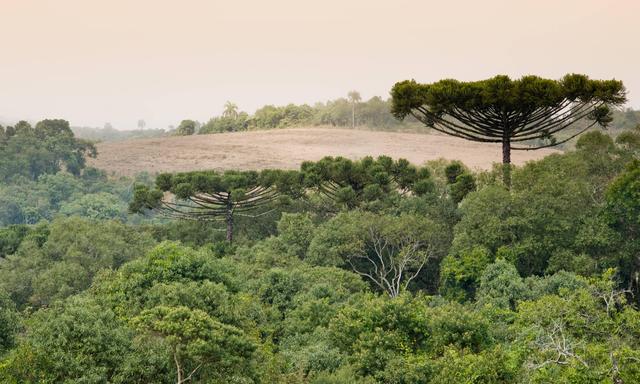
{"x":288,"y":148}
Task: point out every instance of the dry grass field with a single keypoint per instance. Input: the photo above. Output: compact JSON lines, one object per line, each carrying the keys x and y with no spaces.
{"x":287,"y":148}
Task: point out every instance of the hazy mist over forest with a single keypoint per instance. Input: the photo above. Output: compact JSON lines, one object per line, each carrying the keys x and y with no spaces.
{"x":327,"y":192}
{"x":121,"y":61}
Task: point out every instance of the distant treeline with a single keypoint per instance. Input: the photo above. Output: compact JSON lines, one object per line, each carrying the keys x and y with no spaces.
{"x":109,"y":133}
{"x":348,"y":112}
{"x":627,"y":119}
{"x":343,"y":112}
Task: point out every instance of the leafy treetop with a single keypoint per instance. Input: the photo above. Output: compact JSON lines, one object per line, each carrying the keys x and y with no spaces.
{"x":352,"y":182}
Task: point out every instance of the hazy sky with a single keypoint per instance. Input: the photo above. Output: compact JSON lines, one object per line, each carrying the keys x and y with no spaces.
{"x":97,"y":61}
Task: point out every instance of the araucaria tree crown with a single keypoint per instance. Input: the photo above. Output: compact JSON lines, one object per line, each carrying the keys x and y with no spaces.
{"x":213,"y":196}
{"x":530,"y":110}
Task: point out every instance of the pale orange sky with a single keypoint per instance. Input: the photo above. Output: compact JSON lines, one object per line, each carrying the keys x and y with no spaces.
{"x":118,"y":61}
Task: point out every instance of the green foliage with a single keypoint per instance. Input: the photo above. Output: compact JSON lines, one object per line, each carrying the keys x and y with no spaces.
{"x":73,"y":250}
{"x":623,"y":215}
{"x":99,"y":206}
{"x":27,"y":202}
{"x":296,"y":231}
{"x":197,"y":343}
{"x":186,"y":128}
{"x":510,"y":112}
{"x":551,"y":219}
{"x":500,"y":285}
{"x":45,"y":149}
{"x":11,"y":237}
{"x":539,"y":284}
{"x":225,"y":124}
{"x":270,"y":116}
{"x":9,"y":320}
{"x":78,"y":342}
{"x":207,"y":196}
{"x":336,"y":239}
{"x":579,"y":337}
{"x":502,"y":93}
{"x":460,"y":274}
{"x":351,"y":183}
{"x":462,"y":184}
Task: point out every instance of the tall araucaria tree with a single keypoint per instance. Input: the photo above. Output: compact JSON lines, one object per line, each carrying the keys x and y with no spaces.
{"x":213,"y":196}
{"x":529,"y":111}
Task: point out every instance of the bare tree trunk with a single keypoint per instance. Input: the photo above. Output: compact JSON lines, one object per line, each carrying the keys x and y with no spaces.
{"x":178,"y":368}
{"x":506,"y":161}
{"x":229,"y":221}
{"x":353,"y":115}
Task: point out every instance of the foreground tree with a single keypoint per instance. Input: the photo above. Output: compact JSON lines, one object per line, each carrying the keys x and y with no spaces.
{"x":500,"y":110}
{"x":212,"y":196}
{"x":197,"y":342}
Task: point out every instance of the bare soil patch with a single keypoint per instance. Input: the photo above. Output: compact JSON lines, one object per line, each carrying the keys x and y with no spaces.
{"x":287,"y":148}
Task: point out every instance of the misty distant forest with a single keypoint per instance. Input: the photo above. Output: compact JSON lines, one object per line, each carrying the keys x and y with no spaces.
{"x":349,"y":112}
{"x":370,"y":270}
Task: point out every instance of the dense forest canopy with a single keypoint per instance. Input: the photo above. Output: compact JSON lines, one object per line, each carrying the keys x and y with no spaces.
{"x":359,"y":271}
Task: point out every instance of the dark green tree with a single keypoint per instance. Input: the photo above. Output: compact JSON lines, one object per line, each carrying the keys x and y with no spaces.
{"x":213,"y":196}
{"x":623,"y":213}
{"x":351,"y":183}
{"x":530,"y":110}
{"x":196,"y":340}
{"x":186,"y":128}
{"x":47,"y":148}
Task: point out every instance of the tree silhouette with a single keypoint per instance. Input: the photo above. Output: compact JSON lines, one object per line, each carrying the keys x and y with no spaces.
{"x":354,"y":98}
{"x":501,"y":110}
{"x":230,"y":110}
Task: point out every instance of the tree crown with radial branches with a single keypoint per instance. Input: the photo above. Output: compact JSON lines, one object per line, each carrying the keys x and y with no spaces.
{"x":214,"y":196}
{"x":502,"y":110}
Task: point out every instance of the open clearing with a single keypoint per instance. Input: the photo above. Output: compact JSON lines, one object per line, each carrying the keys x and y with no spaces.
{"x":287,"y":148}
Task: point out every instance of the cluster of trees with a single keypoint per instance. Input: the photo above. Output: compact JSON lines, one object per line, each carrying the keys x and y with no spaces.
{"x":369,"y":271}
{"x":109,"y":133}
{"x":47,"y":148}
{"x":349,"y":112}
{"x":43,"y":173}
{"x":211,"y":196}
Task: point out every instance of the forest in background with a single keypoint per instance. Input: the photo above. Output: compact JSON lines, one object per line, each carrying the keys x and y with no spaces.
{"x":371,"y":114}
{"x":534,"y":284}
